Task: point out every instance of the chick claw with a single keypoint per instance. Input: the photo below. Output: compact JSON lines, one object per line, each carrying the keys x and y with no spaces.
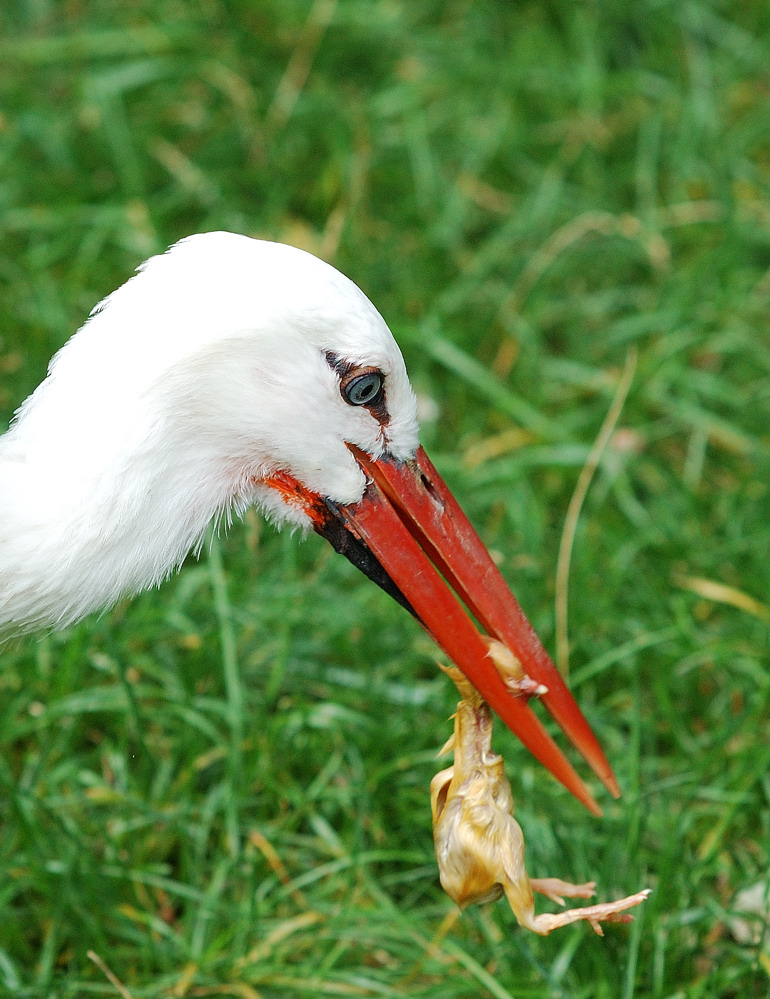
{"x":479,"y":844}
{"x":510,"y":669}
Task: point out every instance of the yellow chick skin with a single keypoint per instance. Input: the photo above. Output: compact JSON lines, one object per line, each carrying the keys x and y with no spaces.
{"x":479,"y":845}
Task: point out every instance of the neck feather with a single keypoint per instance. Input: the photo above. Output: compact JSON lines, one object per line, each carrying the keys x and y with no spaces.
{"x":89,"y":514}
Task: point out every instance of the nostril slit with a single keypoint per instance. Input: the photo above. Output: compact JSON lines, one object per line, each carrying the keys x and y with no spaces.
{"x":430,"y":489}
{"x":427,"y":484}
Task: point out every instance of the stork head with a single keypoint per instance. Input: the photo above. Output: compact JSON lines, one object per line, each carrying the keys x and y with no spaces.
{"x":300,"y":368}
{"x":231,"y":371}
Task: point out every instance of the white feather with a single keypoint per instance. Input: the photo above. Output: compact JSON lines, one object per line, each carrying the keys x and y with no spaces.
{"x":191,"y":383}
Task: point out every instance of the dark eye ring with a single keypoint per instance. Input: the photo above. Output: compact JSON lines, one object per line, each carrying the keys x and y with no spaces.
{"x":363,"y":388}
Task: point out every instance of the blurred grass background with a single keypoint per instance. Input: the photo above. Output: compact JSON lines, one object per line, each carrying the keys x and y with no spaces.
{"x":221,"y":788}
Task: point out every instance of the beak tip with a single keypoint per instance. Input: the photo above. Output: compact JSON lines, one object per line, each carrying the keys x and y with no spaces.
{"x":605,"y":774}
{"x":585,"y":797}
{"x":579,"y":790}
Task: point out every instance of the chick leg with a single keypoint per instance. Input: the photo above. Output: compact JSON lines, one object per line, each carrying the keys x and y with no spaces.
{"x":557,"y":890}
{"x":607,"y":912}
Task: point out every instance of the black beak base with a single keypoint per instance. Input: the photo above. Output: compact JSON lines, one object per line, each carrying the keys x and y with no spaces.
{"x":334,"y":528}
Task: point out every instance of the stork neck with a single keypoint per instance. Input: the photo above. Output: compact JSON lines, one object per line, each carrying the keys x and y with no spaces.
{"x":82,"y":524}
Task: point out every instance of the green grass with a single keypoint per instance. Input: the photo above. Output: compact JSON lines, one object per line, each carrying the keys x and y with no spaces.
{"x":221,"y":788}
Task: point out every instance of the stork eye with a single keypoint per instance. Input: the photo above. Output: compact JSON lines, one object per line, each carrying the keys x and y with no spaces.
{"x":363,"y":388}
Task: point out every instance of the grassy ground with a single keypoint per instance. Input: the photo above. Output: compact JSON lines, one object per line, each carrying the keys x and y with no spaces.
{"x":220,"y":789}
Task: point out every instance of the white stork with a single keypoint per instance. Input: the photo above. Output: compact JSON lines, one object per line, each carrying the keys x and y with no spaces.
{"x":228,"y":372}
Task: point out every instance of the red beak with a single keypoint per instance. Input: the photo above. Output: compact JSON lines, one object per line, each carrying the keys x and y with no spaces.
{"x":406,"y":533}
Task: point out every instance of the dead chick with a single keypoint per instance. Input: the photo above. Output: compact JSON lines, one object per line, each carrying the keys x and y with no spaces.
{"x":479,"y":844}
